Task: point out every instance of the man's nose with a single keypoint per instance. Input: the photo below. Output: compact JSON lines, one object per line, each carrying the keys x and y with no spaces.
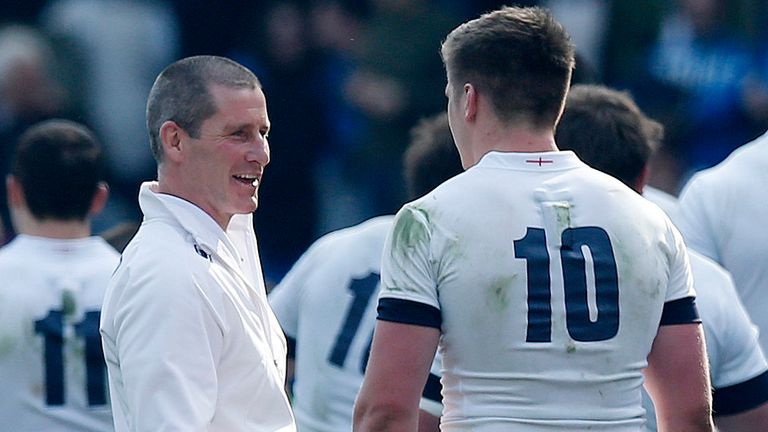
{"x":259,"y":151}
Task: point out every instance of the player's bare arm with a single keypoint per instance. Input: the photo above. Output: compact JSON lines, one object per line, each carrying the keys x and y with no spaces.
{"x":680,"y":393}
{"x":397,"y":371}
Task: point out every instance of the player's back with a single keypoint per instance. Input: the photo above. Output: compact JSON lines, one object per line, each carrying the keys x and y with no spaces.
{"x":327,"y":304}
{"x":551,"y":278}
{"x":721,"y":214}
{"x":51,"y":363}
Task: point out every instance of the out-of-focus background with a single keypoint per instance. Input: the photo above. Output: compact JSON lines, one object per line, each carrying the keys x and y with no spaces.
{"x":346,"y":79}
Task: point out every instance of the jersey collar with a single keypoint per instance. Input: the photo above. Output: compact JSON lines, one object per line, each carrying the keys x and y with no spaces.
{"x":539,"y":161}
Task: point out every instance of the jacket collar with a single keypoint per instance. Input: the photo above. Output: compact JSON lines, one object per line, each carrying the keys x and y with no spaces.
{"x":237,"y":243}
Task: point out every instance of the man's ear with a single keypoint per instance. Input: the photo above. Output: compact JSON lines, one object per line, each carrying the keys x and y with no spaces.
{"x":470,"y":102}
{"x":172,"y":138}
{"x":99,"y":199}
{"x":15,"y":192}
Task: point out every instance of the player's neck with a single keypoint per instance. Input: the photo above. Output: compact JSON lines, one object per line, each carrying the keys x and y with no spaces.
{"x":56,"y":229}
{"x":514,"y":139}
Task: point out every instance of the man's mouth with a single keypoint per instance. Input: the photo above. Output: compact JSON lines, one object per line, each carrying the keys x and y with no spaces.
{"x":249,"y":179}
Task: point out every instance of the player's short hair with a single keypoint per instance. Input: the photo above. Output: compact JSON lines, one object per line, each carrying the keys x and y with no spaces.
{"x":59,"y":164}
{"x":181,"y":93}
{"x":431,"y":157}
{"x":519,"y":58}
{"x":608,"y":131}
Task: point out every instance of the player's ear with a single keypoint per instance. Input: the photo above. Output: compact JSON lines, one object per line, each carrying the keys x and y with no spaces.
{"x":99,"y":199}
{"x":15,"y":192}
{"x":172,"y":139}
{"x":470,"y":102}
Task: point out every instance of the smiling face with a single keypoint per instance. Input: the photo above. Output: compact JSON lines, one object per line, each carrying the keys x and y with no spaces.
{"x":220,"y":170}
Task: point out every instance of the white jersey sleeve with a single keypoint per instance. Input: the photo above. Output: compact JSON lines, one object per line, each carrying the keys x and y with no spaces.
{"x":407,"y":272}
{"x":680,"y":276}
{"x":738,"y":367}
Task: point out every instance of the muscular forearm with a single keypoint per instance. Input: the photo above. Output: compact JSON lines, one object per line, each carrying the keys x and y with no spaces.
{"x":372,"y":418}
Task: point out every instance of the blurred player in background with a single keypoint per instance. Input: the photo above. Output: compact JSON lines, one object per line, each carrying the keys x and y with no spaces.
{"x":607,"y":130}
{"x":546,"y":283}
{"x":326,"y":303}
{"x":54,"y":274}
{"x":723,"y":212}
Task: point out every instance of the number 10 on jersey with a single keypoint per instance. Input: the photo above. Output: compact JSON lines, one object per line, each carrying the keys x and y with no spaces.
{"x":533,"y":248}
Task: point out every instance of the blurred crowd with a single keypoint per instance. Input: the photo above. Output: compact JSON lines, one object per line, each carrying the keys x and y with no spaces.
{"x":346,"y":79}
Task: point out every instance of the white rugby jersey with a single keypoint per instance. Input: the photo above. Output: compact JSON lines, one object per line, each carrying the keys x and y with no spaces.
{"x":723,"y":211}
{"x":52,"y":371}
{"x":327,"y":305}
{"x":548,"y":280}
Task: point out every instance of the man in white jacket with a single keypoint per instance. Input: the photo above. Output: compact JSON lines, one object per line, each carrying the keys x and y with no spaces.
{"x":190,"y":341}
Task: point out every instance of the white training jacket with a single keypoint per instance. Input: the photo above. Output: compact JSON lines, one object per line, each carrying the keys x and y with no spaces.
{"x":190,"y":341}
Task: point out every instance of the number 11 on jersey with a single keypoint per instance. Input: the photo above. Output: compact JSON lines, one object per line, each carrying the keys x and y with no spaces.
{"x":52,"y":329}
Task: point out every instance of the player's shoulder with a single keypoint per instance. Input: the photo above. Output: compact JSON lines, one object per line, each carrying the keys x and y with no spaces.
{"x":612,"y":191}
{"x":370,"y":231}
{"x":100,"y":254}
{"x":370,"y":228}
{"x":17,"y":266}
{"x":666,"y":201}
{"x":740,"y":167}
{"x":711,"y":280}
{"x":10,"y":253}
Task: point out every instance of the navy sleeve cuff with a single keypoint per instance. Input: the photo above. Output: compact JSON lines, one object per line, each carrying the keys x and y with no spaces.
{"x":409,"y":312}
{"x":433,"y":389}
{"x":680,"y":311}
{"x":741,"y":397}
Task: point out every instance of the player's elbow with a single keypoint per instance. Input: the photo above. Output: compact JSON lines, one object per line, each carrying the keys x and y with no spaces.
{"x":380,"y":415}
{"x":696,"y":418}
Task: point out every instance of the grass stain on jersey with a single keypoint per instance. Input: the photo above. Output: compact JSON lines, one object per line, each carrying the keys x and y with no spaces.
{"x":68,"y":303}
{"x":7,"y":344}
{"x":562,"y":214}
{"x":409,"y":231}
{"x":570,"y":348}
{"x":498,"y":297}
